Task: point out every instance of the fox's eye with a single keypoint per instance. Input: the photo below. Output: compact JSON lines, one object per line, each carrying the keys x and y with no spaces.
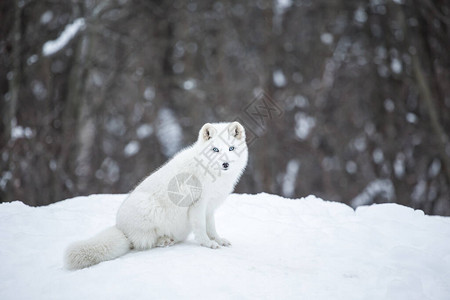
{"x":231,"y":148}
{"x":215,"y":149}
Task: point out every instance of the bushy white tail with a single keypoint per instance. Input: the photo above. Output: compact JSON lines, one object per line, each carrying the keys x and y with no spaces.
{"x":108,"y":244}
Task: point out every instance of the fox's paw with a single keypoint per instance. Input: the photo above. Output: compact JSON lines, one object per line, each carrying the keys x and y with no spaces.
{"x":210,"y":244}
{"x":223,"y":242}
{"x":164,"y":241}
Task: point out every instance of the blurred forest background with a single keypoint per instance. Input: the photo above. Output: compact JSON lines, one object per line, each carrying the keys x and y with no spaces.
{"x":348,"y":100}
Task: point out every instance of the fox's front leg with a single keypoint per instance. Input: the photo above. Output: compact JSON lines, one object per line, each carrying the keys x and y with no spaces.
{"x":211,"y":230}
{"x":198,"y":223}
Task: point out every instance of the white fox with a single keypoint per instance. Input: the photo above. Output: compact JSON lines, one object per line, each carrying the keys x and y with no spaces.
{"x":177,"y":199}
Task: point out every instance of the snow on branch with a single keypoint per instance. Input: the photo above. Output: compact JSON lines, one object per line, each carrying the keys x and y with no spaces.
{"x":51,"y":47}
{"x":378,"y":187}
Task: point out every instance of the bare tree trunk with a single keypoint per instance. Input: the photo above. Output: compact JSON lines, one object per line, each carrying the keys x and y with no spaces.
{"x":85,"y":123}
{"x":425,"y":92}
{"x":14,"y":85}
{"x":424,"y":89}
{"x":9,"y":114}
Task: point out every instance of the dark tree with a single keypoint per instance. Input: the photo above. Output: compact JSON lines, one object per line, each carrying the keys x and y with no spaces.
{"x":348,"y":100}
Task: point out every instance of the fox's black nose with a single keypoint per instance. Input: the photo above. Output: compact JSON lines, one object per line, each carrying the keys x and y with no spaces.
{"x":225,"y":165}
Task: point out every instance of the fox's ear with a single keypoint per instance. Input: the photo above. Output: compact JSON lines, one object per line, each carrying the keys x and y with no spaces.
{"x":236,"y":130}
{"x":207,"y":132}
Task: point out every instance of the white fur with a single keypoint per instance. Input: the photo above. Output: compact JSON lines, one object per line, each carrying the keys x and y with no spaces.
{"x":108,"y":244}
{"x":148,"y":218}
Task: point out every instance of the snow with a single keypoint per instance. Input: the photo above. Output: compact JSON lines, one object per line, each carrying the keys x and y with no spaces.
{"x":351,"y":167}
{"x":280,"y":8}
{"x":46,"y":17}
{"x":278,"y":78}
{"x":326,"y":38}
{"x":282,"y":5}
{"x":32,"y":59}
{"x":360,"y":15}
{"x":144,"y":131}
{"x":419,"y":191}
{"x":301,"y":101}
{"x":378,"y":156}
{"x":389,"y":105}
{"x":169,"y":132}
{"x":282,"y":249}
{"x":132,"y":148}
{"x":378,"y":187}
{"x":290,"y":177}
{"x":39,"y":90}
{"x":109,"y":171}
{"x":51,"y":47}
{"x":149,"y":93}
{"x":399,"y":165}
{"x":303,"y":125}
{"x":396,"y":66}
{"x":411,"y":118}
{"x":360,"y":143}
{"x":5,"y":177}
{"x":435,"y":168}
{"x":189,"y":84}
{"x":20,"y":132}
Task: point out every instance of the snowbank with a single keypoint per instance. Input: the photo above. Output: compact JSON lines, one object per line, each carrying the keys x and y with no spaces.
{"x":282,"y":249}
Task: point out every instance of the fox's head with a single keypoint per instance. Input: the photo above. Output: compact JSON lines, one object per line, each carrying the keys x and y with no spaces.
{"x":222,"y":147}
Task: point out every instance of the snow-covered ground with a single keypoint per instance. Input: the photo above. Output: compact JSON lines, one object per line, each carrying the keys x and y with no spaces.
{"x":282,"y":249}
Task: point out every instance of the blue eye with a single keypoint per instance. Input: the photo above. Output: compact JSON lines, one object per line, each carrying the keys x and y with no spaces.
{"x":215,"y":149}
{"x":231,"y":148}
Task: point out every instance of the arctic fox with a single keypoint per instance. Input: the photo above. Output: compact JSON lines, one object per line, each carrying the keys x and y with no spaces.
{"x":177,"y":199}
